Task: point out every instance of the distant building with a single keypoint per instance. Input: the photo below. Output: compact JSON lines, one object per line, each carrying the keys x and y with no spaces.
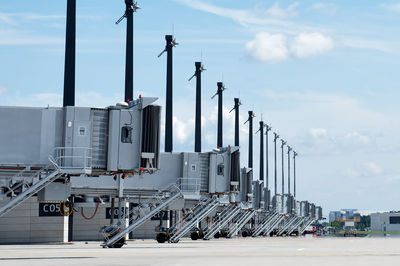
{"x":349,"y":215}
{"x":345,"y":215}
{"x":387,"y":221}
{"x":334,"y":216}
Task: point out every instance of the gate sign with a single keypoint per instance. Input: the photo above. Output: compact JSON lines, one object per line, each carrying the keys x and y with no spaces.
{"x":50,"y":209}
{"x":108,"y":212}
{"x":161,"y":214}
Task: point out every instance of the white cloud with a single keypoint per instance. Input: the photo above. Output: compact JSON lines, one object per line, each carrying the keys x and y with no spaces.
{"x":52,"y":99}
{"x":83,"y":99}
{"x":17,"y":18}
{"x":278,"y":12}
{"x":370,"y":44}
{"x":273,"y":48}
{"x":3,"y":90}
{"x":268,"y":47}
{"x":352,"y":173}
{"x":355,"y":136}
{"x":373,"y":168}
{"x":392,"y":7}
{"x":326,"y":8}
{"x":318,"y":132}
{"x":6,"y":18}
{"x":258,"y":15}
{"x":183,"y":129}
{"x":311,"y":44}
{"x":12,"y":39}
{"x":392,"y":180}
{"x":277,"y":20}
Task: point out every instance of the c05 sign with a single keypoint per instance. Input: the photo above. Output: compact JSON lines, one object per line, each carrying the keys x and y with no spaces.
{"x":50,"y":209}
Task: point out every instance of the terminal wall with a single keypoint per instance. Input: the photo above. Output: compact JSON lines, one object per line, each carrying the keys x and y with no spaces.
{"x":89,"y":230}
{"x":23,"y":225}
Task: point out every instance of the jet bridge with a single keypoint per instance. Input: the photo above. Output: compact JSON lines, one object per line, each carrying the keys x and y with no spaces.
{"x":74,"y":143}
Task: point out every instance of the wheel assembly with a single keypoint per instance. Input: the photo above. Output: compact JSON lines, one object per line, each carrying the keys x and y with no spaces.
{"x":161,"y":237}
{"x":194,"y":236}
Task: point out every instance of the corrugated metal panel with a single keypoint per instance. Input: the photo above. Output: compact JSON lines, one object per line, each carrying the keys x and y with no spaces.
{"x":99,"y":138}
{"x":204,"y":160}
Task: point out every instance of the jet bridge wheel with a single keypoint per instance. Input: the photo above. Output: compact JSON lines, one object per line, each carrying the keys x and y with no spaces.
{"x":201,"y":234}
{"x":194,"y":235}
{"x":119,"y":244}
{"x":161,"y":237}
{"x":245,"y":234}
{"x":217,"y":235}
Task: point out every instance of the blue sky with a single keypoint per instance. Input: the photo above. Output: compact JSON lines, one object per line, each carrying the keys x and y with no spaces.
{"x":323,"y":74}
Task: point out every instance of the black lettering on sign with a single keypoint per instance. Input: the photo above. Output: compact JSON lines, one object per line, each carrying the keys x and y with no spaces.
{"x":50,"y":209}
{"x":108,"y":212}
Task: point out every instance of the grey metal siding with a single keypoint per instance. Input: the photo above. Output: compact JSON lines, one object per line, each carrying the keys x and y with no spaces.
{"x":204,"y":160}
{"x":99,"y":138}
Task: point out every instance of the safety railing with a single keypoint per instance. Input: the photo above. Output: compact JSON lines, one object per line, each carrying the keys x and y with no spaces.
{"x":142,"y":211}
{"x":73,"y":158}
{"x":191,"y":185}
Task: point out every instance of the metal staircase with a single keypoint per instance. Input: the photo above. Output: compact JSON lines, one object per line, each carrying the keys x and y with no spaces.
{"x":295,"y":226}
{"x":117,"y":233}
{"x":288,"y":223}
{"x":226,"y":215}
{"x":274,"y":224}
{"x":199,"y":212}
{"x":306,"y":223}
{"x":241,"y":222}
{"x":243,"y":213}
{"x":25,"y":184}
{"x":28,"y":186}
{"x":267,"y":220}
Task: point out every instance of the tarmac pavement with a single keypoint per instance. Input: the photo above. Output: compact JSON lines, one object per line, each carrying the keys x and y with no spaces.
{"x":239,"y":251}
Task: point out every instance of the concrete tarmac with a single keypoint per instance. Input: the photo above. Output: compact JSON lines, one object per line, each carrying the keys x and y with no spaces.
{"x":239,"y":251}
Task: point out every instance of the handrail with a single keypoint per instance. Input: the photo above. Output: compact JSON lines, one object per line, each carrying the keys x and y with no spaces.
{"x":24,"y":182}
{"x":171,"y":188}
{"x":73,"y":157}
{"x":189,"y":184}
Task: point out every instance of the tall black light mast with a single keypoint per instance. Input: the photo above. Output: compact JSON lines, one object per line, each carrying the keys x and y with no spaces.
{"x":170,"y":43}
{"x":288,"y":156}
{"x":197,"y":133}
{"x":261,"y":130}
{"x":221,"y":88}
{"x":267,"y":129}
{"x":69,"y":69}
{"x":69,"y":78}
{"x":131,"y":7}
{"x":236,"y":108}
{"x":294,"y":172}
{"x":283,"y":143}
{"x":276,"y":137}
{"x":250,"y":120}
